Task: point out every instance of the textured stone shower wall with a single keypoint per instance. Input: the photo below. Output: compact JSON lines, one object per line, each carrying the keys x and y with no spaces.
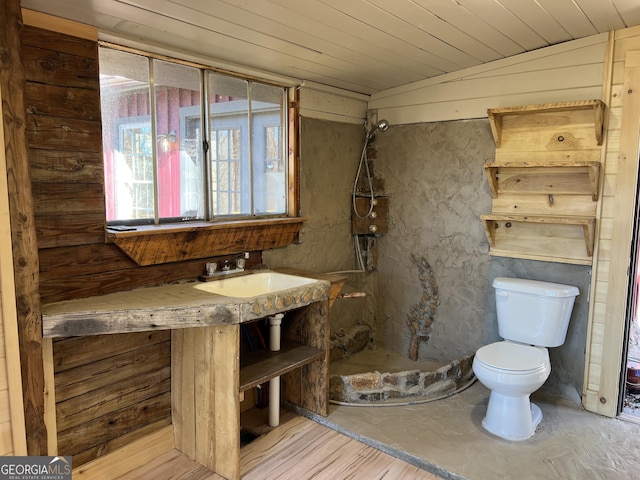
{"x":330,"y":152}
{"x":435,"y":180}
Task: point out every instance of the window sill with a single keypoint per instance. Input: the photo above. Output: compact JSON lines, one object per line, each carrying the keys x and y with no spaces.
{"x":158,"y":244}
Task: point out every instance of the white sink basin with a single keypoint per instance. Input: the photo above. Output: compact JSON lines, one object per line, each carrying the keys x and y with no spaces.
{"x":254,"y":284}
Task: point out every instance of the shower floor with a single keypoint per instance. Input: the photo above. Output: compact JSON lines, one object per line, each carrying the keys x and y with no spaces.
{"x":381,"y":376}
{"x":380,"y":360}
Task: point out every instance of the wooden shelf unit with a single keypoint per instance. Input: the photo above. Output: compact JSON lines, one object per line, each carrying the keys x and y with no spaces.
{"x":496,"y":115}
{"x":592,"y":168}
{"x":261,"y":366}
{"x":545,"y":181}
{"x":587,"y":224}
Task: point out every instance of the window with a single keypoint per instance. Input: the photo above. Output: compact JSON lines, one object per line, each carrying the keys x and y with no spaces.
{"x":164,"y":163}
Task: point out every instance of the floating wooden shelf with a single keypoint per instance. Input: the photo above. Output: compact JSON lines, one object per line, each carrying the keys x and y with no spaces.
{"x":592,"y":168}
{"x":587,"y":224}
{"x":157,"y":244}
{"x":261,"y":366}
{"x":496,"y":115}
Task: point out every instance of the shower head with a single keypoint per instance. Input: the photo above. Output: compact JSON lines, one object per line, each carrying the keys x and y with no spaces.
{"x":382,"y":125}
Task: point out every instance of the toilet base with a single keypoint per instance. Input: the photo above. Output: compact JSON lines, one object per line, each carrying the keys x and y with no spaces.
{"x":511,"y":418}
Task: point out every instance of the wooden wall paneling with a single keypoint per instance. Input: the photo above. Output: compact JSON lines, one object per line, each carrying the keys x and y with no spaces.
{"x":84,"y":259}
{"x":79,"y":229}
{"x":109,"y":372}
{"x":76,"y":352}
{"x":44,"y":63}
{"x":68,"y":134}
{"x":12,"y":80}
{"x":94,"y":276}
{"x":327,"y":103}
{"x":67,"y":199}
{"x":105,"y":400}
{"x":626,"y":184}
{"x":105,"y":431}
{"x":63,"y":101}
{"x":104,"y":393}
{"x":568,"y":71}
{"x":57,"y":166}
{"x":603,"y":234}
{"x":45,"y":32}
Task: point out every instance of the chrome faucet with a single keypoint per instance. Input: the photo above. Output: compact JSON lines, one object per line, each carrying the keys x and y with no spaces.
{"x":240,"y":262}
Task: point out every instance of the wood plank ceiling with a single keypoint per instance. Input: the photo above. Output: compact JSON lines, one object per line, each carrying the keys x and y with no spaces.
{"x":364,"y":46}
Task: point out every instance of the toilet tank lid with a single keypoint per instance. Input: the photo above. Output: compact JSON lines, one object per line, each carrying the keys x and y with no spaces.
{"x":535,"y":287}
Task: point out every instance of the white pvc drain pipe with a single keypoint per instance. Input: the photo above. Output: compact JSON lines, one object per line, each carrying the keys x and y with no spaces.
{"x":275,"y":323}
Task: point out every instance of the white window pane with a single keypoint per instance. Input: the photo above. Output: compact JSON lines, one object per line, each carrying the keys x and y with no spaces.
{"x":269,"y":161}
{"x":126,"y":136}
{"x":230,"y":154}
{"x":178,"y":127}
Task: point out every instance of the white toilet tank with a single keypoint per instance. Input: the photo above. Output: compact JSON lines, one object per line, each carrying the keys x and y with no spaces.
{"x":533,"y":312}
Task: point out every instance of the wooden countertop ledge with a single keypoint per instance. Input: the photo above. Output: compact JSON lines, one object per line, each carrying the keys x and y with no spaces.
{"x":173,"y":306}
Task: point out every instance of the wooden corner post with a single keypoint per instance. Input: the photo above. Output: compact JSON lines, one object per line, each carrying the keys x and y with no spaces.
{"x":23,"y":232}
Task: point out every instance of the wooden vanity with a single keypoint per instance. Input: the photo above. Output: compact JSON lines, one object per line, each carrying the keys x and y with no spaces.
{"x":208,"y":372}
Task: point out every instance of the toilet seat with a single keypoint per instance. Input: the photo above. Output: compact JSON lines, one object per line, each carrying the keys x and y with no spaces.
{"x":513,"y":358}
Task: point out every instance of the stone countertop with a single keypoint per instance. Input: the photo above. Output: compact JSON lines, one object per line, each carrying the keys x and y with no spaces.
{"x":172,"y":306}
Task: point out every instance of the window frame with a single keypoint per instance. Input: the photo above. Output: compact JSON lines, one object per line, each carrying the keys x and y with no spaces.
{"x":254,"y":233}
{"x":289,"y":141}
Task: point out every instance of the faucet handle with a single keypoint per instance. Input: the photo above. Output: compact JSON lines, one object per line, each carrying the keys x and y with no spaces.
{"x":211,"y":268}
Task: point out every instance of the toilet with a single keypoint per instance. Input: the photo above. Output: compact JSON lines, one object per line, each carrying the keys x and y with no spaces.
{"x":532,"y":316}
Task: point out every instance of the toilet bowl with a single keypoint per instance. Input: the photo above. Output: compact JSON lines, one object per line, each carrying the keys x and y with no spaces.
{"x":512,"y":372}
{"x":532,"y":316}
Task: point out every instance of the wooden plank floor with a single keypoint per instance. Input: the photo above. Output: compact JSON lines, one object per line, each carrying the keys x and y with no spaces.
{"x":298,"y":449}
